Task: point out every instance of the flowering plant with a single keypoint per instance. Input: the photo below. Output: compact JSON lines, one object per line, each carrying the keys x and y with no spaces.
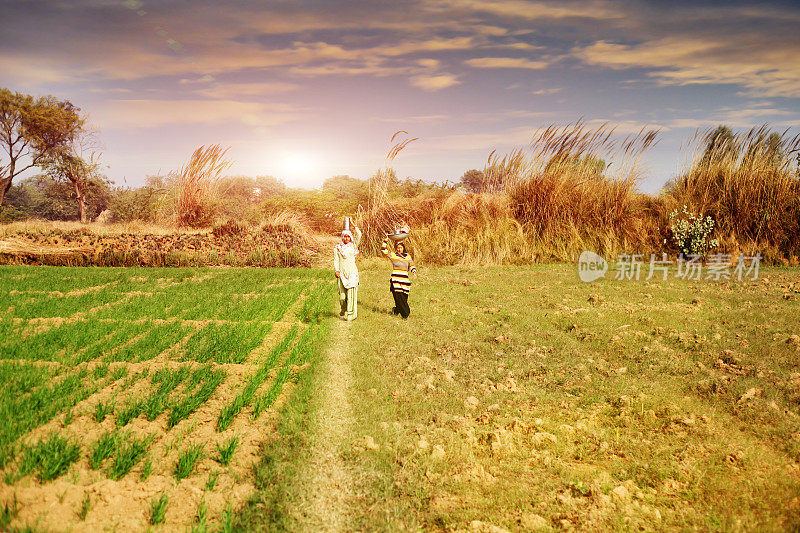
{"x":691,"y":233}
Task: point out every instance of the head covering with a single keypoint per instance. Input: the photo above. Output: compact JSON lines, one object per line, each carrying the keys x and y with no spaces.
{"x":347,"y":232}
{"x":398,"y":243}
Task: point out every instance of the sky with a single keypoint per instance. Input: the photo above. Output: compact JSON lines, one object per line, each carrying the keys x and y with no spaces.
{"x":305,"y":90}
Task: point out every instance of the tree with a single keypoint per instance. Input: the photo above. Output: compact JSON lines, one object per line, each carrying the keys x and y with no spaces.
{"x":31,"y":129}
{"x":41,"y":196}
{"x":474,"y":180}
{"x":72,"y":162}
{"x":268,"y":186}
{"x":345,"y":187}
{"x":136,"y":204}
{"x":720,"y":142}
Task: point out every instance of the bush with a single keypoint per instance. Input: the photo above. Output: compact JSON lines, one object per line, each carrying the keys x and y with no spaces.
{"x":11,"y":214}
{"x":229,"y":228}
{"x":567,"y":202}
{"x":322,"y":211}
{"x":691,"y":233}
{"x":473,"y":229}
{"x":136,"y":204}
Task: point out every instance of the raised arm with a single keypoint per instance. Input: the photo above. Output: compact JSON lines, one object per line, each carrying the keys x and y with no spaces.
{"x":356,"y":235}
{"x":385,"y":248}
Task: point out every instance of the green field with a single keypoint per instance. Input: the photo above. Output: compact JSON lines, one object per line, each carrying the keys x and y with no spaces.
{"x":512,"y":399}
{"x":140,"y":396}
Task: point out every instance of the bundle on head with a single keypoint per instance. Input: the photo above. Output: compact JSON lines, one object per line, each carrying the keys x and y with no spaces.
{"x":566,"y":199}
{"x":196,"y":186}
{"x":749,"y":184}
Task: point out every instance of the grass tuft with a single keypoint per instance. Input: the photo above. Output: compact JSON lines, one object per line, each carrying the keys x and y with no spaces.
{"x":102,"y":410}
{"x":187,"y":461}
{"x":129,"y":451}
{"x":9,"y":512}
{"x":212,"y":479}
{"x":102,"y":449}
{"x":86,"y":505}
{"x":225,"y":451}
{"x":50,"y":457}
{"x":158,"y":509}
{"x":147,"y":468}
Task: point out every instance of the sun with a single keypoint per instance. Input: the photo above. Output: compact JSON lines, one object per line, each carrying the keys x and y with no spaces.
{"x":298,"y":163}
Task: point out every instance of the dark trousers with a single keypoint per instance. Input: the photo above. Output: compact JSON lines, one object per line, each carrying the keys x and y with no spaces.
{"x":401,"y":304}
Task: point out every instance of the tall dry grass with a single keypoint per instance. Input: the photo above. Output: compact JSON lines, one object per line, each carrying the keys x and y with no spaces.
{"x":568,"y":200}
{"x":551,"y":202}
{"x":289,"y":221}
{"x":381,"y":215}
{"x":197,"y":186}
{"x":748,"y":183}
{"x":473,"y":229}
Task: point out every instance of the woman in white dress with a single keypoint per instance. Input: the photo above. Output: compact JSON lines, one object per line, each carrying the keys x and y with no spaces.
{"x":344,"y":266}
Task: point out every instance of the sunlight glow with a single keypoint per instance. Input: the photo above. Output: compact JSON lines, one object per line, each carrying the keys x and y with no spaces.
{"x":298,"y":164}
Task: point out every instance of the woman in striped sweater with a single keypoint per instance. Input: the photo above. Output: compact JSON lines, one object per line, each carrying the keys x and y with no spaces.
{"x":400,"y":281}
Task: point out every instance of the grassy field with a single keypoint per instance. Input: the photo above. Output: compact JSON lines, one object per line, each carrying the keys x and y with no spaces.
{"x":513,"y":398}
{"x":525,"y":399}
{"x":139,"y":397}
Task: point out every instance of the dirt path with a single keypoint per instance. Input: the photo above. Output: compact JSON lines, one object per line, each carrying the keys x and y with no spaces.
{"x":327,"y":481}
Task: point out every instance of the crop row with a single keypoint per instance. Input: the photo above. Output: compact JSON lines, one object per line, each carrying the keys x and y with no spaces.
{"x":243,"y":399}
{"x":196,"y":302}
{"x":33,"y":395}
{"x":75,"y":342}
{"x":304,"y":351}
{"x":65,"y":279}
{"x":199,"y":385}
{"x":31,"y":402}
{"x":226,"y":343}
{"x":314,"y":307}
{"x":318,"y":303}
{"x":117,"y":452}
{"x":82,"y":340}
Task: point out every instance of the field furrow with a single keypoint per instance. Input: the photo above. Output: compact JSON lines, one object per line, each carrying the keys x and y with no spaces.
{"x":120,"y":388}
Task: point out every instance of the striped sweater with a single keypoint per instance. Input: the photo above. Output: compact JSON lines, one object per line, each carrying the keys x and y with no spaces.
{"x":402,"y":268}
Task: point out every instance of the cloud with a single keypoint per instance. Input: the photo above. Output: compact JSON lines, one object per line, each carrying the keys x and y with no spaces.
{"x":434,"y":83}
{"x":533,"y":10}
{"x":764,"y":66}
{"x":25,"y":70}
{"x":524,"y":113}
{"x":506,"y":62}
{"x":231,"y":91}
{"x":756,"y":113}
{"x":117,"y":114}
{"x":543,"y":92}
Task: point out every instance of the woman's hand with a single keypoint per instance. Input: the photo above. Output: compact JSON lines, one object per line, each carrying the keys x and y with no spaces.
{"x":337,"y":274}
